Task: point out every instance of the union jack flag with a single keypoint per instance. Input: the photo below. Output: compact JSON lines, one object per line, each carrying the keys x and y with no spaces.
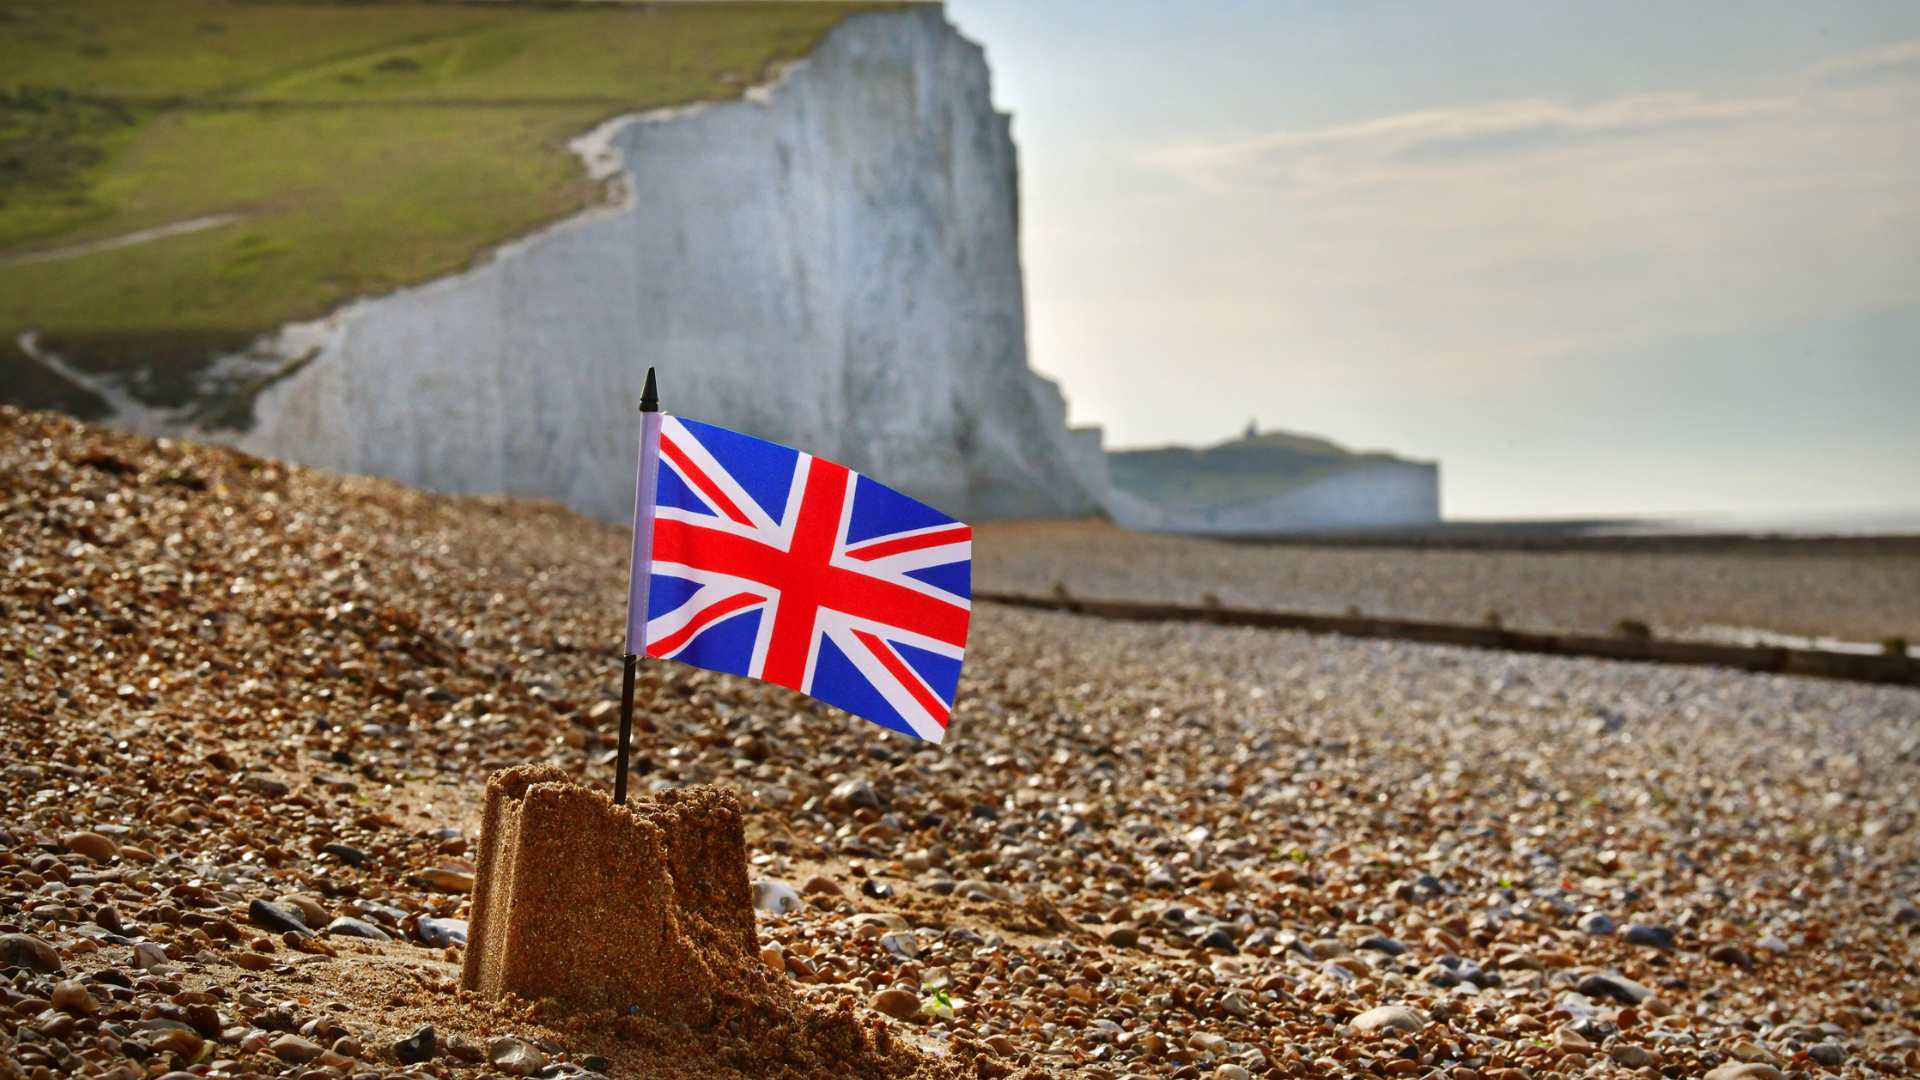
{"x":775,"y":564}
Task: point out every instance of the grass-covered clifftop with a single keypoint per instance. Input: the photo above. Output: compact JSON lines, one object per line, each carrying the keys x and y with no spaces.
{"x":177,"y":178}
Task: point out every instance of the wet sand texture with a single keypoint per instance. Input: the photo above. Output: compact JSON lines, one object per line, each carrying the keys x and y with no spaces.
{"x":608,"y":907}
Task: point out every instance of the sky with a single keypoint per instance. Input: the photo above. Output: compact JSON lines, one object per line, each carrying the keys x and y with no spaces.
{"x":1594,"y":258}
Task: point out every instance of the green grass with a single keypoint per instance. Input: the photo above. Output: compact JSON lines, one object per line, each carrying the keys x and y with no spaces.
{"x":367,"y":146}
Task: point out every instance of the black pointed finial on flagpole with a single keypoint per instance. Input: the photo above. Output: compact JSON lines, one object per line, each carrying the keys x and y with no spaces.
{"x":649,"y":403}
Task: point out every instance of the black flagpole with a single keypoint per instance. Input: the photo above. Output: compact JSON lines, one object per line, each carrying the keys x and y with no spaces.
{"x":649,"y":403}
{"x":626,"y":730}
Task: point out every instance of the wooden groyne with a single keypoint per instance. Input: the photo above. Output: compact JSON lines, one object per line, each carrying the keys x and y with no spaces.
{"x":1899,"y":670}
{"x":1558,"y":539}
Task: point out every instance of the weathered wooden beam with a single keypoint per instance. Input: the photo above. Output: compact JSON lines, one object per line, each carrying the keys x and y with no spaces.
{"x":1821,"y":663}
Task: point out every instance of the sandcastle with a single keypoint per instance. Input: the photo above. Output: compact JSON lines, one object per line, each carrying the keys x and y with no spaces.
{"x":609,"y":907}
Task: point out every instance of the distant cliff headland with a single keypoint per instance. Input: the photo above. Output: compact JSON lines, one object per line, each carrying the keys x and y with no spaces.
{"x":1270,"y":482}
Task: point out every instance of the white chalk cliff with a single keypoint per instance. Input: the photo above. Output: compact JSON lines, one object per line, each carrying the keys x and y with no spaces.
{"x":831,"y":263}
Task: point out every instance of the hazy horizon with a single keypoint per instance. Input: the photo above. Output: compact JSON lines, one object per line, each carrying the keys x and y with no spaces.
{"x":1596,"y":260}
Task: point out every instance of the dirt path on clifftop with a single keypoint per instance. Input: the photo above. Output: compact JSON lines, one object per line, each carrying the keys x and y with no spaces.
{"x":125,"y":240}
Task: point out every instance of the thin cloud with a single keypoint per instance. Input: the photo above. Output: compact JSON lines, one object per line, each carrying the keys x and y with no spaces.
{"x":1402,"y":145}
{"x":1473,"y":133}
{"x":1899,"y":61}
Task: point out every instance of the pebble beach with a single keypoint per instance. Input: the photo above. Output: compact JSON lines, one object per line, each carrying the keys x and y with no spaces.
{"x":248,"y":713}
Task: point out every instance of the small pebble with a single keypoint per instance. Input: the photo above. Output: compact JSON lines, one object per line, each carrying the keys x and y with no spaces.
{"x":776,"y":897}
{"x":1389,"y":1018}
{"x":515,"y":1057}
{"x":70,"y":996}
{"x":1596,"y":923}
{"x":27,"y":951}
{"x":312,"y":913}
{"x":356,"y":928}
{"x":91,"y":844}
{"x":465,"y":1049}
{"x":447,"y":879}
{"x":1730,"y":954}
{"x":417,"y":1047}
{"x":293,"y":1048}
{"x":1613,"y":986}
{"x":279,"y":918}
{"x":441,"y":933}
{"x":1831,"y":1054}
{"x":1653,"y":937}
{"x":897,"y":1003}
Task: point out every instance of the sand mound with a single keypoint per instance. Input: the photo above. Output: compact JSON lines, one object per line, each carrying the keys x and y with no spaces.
{"x":642,"y":907}
{"x":640,"y":917}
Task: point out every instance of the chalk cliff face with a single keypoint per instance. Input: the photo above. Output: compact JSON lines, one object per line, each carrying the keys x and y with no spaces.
{"x":832,"y":263}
